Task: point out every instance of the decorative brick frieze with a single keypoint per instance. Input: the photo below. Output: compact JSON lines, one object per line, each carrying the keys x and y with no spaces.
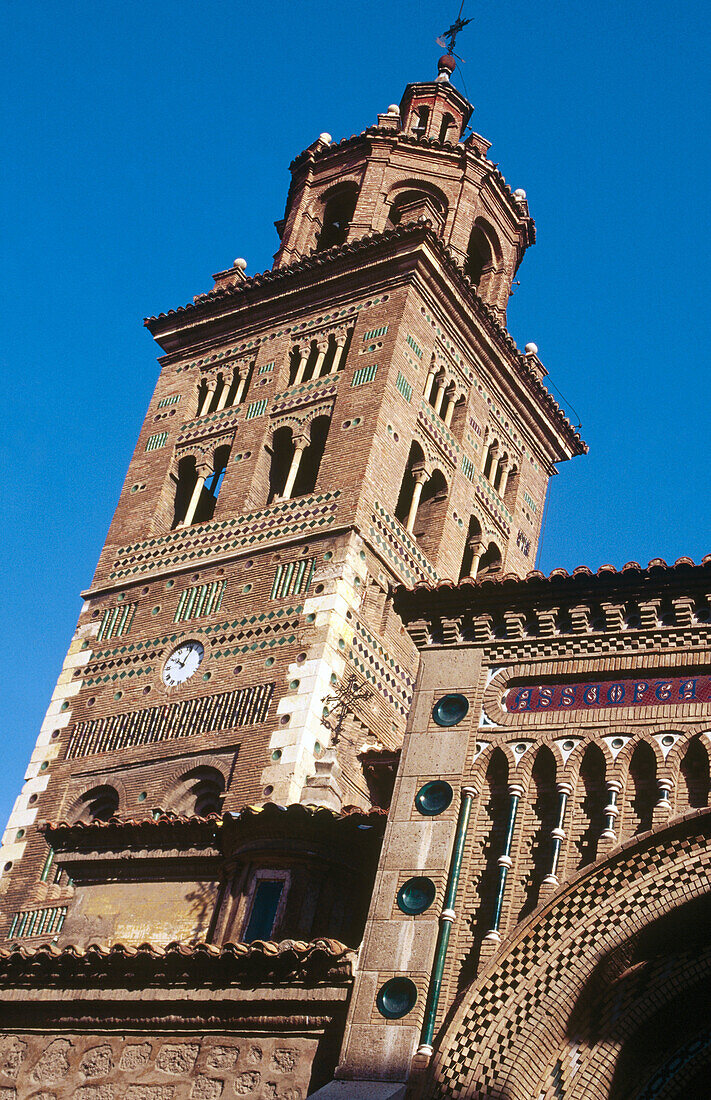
{"x":306,"y":394}
{"x":231,"y":710}
{"x":216,"y":424}
{"x":435,"y":429}
{"x":214,"y":539}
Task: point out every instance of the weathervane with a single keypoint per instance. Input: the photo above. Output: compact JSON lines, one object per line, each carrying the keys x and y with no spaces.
{"x":342,"y":703}
{"x":448,"y":40}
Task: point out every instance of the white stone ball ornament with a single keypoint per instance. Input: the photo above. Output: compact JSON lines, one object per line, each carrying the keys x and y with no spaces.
{"x":531,"y":349}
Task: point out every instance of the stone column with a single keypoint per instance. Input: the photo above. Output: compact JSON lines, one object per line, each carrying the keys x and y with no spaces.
{"x":210,"y":393}
{"x":495,"y":468}
{"x":429,"y":384}
{"x":227,"y":380}
{"x":300,"y":446}
{"x":449,"y":411}
{"x":611,"y":811}
{"x":203,"y":473}
{"x":340,"y":338}
{"x":322,"y":348}
{"x":239,"y":392}
{"x":441,"y":383}
{"x":420,"y":479}
{"x":504,"y":479}
{"x":558,"y":834}
{"x":303,"y":360}
{"x":662,"y":808}
{"x":505,"y":862}
{"x":477,"y":548}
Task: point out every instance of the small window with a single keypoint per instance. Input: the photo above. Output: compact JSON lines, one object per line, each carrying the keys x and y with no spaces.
{"x":265,"y":904}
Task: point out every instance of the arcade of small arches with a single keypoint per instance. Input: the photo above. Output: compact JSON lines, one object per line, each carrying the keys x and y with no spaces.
{"x":602,"y":992}
{"x":543,"y":817}
{"x":296,"y":447}
{"x":225,"y":389}
{"x":408,"y":201}
{"x":199,"y":791}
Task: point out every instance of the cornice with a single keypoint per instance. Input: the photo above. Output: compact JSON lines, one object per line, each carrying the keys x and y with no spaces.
{"x":658,"y":597}
{"x":319,"y":962}
{"x":172,"y":831}
{"x":416,"y":233}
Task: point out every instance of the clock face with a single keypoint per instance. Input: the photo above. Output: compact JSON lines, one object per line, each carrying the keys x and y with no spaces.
{"x":183,"y":663}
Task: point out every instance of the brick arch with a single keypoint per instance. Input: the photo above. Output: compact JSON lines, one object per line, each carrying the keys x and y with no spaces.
{"x":495,"y":1041}
{"x":174,"y":780}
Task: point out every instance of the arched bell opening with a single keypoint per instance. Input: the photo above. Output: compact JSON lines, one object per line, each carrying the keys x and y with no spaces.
{"x":473,"y":550}
{"x":305,"y":482}
{"x":414,"y":470}
{"x":490,"y":563}
{"x":338,"y":211}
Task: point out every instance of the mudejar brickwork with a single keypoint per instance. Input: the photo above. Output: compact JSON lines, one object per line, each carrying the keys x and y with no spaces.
{"x":336,"y":795}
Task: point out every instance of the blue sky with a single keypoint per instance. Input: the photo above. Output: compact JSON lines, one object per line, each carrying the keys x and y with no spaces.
{"x":147,"y":144}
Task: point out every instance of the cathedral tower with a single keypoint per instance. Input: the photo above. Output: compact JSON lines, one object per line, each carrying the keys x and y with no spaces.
{"x":355,"y":418}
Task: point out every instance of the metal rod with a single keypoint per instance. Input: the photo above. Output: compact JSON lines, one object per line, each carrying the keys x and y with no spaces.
{"x":558,"y":833}
{"x":505,"y":862}
{"x":446,"y":919}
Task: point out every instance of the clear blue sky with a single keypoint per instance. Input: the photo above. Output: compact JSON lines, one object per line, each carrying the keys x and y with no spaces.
{"x":147,"y":145}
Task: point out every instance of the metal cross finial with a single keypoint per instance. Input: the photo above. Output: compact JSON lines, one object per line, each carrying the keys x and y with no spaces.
{"x":342,"y":703}
{"x":449,"y":37}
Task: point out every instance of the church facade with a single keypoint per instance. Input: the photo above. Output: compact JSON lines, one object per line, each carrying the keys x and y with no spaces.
{"x":336,"y":795}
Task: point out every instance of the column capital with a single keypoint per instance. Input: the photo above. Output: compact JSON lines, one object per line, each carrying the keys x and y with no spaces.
{"x":420,"y":476}
{"x":301,"y":442}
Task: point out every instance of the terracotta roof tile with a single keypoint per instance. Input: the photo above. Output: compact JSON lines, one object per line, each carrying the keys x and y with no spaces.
{"x":320,"y":961}
{"x":61,"y":833}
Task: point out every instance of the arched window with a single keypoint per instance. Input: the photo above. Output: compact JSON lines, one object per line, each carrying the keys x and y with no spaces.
{"x":196,"y":493}
{"x":590,"y":804}
{"x":420,"y":119}
{"x":537,"y":842}
{"x":338,"y":213}
{"x":282,"y":456}
{"x":310,"y":464}
{"x":472,"y":550}
{"x":491,"y":455}
{"x":490,"y":563}
{"x":502,"y":467}
{"x":296,"y":462}
{"x":447,"y":128}
{"x":430,"y":513}
{"x":695,"y":774}
{"x":415,"y":463}
{"x":643,"y":793}
{"x":200,"y":791}
{"x":511,"y":488}
{"x":213,"y":483}
{"x":98,"y":804}
{"x":481,"y":253}
{"x":184,"y":488}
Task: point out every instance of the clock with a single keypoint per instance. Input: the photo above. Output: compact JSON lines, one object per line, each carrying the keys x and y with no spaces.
{"x":183,"y":663}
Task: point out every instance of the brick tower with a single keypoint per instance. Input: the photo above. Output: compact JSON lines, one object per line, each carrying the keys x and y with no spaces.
{"x":355,"y":418}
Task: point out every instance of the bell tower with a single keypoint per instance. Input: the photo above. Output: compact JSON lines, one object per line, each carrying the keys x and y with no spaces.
{"x":354,"y":418}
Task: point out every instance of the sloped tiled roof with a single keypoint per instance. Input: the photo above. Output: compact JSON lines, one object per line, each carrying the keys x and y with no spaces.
{"x":321,"y":961}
